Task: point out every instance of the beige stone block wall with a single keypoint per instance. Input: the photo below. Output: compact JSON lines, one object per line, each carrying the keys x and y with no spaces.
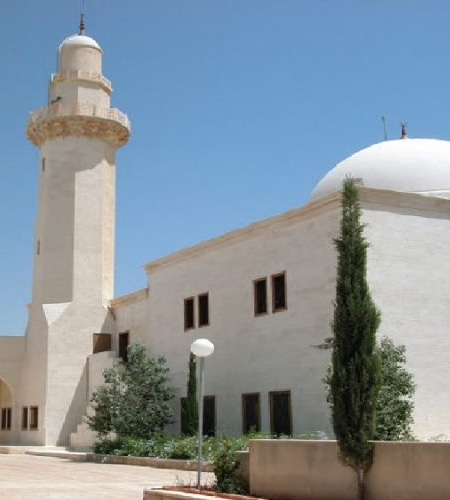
{"x":310,"y":470}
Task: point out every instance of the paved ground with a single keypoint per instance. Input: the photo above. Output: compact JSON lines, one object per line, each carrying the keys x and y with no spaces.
{"x":28,"y":477}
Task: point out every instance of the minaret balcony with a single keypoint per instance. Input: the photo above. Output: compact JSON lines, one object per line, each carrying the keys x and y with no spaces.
{"x":64,"y":120}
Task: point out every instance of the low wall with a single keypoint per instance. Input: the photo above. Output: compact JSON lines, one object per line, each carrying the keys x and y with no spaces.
{"x":310,"y":470}
{"x":160,"y":463}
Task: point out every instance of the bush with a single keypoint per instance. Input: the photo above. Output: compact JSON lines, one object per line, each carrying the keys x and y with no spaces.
{"x":226,"y":464}
{"x":184,"y":447}
{"x":134,"y":399}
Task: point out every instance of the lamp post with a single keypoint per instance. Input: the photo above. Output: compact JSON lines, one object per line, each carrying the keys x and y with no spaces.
{"x":201,"y":348}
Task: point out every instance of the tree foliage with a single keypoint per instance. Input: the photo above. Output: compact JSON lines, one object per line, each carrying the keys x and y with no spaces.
{"x":355,"y":379}
{"x":394,"y":405}
{"x":394,"y":408}
{"x":190,"y":405}
{"x":134,"y":400}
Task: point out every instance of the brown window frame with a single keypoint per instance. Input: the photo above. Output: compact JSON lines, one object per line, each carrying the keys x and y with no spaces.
{"x":25,"y":418}
{"x":255,"y":297}
{"x":211,"y":397}
{"x":34,"y":418}
{"x":101,"y":342}
{"x":274,"y":393}
{"x":272,"y":284}
{"x":202,"y":325}
{"x":192,"y":301}
{"x":123,"y":356}
{"x":6,"y":418}
{"x":244,"y":412}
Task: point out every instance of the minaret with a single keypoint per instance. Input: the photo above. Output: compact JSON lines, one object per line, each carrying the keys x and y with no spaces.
{"x":77,"y":134}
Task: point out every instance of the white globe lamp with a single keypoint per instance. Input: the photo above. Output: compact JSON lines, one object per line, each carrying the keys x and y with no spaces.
{"x":201,"y":348}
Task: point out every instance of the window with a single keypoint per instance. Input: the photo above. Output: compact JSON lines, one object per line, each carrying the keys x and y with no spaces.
{"x":34,"y":417}
{"x":6,"y":419}
{"x":260,"y":294}
{"x":251,"y":413}
{"x":43,"y":164}
{"x":38,"y":247}
{"x":203,"y":310}
{"x":102,"y":342}
{"x":280,"y":412}
{"x":189,"y":316}
{"x":183,"y":416}
{"x":25,"y":418}
{"x":279,"y":292}
{"x":209,"y":416}
{"x":124,"y":341}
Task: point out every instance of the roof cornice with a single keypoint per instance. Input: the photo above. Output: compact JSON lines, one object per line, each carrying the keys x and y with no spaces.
{"x":309,"y":210}
{"x":370,"y":198}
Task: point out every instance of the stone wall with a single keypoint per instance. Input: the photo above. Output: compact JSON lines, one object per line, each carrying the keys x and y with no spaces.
{"x":310,"y":470}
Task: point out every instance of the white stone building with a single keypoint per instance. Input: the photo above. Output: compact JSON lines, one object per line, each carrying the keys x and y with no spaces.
{"x":262,"y":294}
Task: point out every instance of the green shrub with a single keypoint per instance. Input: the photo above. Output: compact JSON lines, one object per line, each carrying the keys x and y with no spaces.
{"x":226,"y":464}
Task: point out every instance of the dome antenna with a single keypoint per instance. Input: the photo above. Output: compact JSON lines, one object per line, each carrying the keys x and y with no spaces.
{"x":82,"y":25}
{"x":404,"y":131}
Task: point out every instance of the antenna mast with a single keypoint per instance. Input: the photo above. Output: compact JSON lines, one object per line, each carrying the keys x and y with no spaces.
{"x":82,"y":24}
{"x":385,"y":136}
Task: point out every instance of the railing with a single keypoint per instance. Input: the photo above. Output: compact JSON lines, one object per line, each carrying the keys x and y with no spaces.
{"x":58,"y":109}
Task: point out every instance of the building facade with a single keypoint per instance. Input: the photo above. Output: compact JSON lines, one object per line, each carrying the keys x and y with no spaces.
{"x":262,"y":294}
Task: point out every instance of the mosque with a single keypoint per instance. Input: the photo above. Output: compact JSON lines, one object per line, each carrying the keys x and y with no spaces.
{"x":262,"y":294}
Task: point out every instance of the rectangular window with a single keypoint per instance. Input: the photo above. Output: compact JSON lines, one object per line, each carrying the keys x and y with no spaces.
{"x":260,"y":294}
{"x":34,"y":417}
{"x":4,"y":419}
{"x":25,"y":418}
{"x":124,"y":340}
{"x":189,"y":316}
{"x":43,"y":164}
{"x":183,"y":416}
{"x":209,"y":416}
{"x":279,"y":292}
{"x":102,"y":342}
{"x":280,"y":412}
{"x":251,"y":413}
{"x":203,"y":310}
{"x":8,"y":418}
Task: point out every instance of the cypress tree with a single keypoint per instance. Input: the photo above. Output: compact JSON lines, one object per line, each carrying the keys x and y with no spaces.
{"x":356,"y":367}
{"x":191,"y":399}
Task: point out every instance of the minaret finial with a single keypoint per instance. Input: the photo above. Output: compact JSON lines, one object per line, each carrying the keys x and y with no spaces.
{"x":404,"y":131}
{"x":82,"y":25}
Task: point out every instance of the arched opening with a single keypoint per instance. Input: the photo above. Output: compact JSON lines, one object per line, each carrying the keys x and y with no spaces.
{"x":6,"y":412}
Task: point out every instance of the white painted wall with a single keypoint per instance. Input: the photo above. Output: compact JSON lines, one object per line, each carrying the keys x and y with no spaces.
{"x":407,"y":261}
{"x":253,"y":354}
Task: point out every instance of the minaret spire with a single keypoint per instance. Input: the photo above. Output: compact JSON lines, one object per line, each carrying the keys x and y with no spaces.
{"x":404,"y":131}
{"x":82,"y":25}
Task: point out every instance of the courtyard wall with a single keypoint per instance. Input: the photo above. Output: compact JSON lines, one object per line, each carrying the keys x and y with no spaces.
{"x":311,"y":470}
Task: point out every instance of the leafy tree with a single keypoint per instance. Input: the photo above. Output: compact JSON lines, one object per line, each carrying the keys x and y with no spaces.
{"x":394,"y":405}
{"x":134,"y":399}
{"x":355,"y":379}
{"x":190,"y":406}
{"x":394,"y":408}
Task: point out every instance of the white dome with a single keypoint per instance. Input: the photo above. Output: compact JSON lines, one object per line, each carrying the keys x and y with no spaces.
{"x":80,"y":41}
{"x":409,"y":165}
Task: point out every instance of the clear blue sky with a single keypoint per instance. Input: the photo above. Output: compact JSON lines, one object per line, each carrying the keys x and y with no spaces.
{"x":238,"y":107}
